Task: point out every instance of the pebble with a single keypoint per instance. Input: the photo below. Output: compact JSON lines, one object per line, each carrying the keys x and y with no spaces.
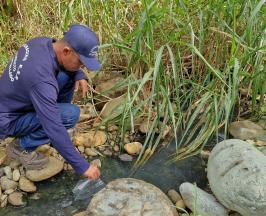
{"x":125,"y":157}
{"x":16,"y":175}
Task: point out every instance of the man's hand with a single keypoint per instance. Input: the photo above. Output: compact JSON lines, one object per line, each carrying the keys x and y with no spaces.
{"x":82,"y":86}
{"x":93,"y":172}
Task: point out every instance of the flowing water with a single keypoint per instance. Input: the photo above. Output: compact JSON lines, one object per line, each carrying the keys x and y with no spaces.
{"x":56,"y":198}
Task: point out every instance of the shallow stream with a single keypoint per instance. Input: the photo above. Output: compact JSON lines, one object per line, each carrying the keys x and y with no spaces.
{"x":56,"y":198}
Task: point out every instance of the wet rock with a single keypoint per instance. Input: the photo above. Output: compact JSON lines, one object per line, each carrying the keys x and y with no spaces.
{"x":53,"y":167}
{"x":130,"y":197}
{"x":35,"y":196}
{"x":108,"y":153}
{"x":2,"y":155}
{"x":201,"y":201}
{"x":236,"y":173}
{"x":125,"y":157}
{"x":16,"y":175}
{"x":133,"y":148}
{"x":7,"y":184}
{"x":246,"y":130}
{"x":90,"y":152}
{"x":16,"y":199}
{"x":8,"y":172}
{"x":96,"y":162}
{"x":26,"y":185}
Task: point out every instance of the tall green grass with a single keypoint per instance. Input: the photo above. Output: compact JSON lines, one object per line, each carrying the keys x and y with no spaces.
{"x":184,"y":61}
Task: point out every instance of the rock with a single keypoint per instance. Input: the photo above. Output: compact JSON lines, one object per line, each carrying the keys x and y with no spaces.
{"x":35,"y":196}
{"x":8,"y":172}
{"x":80,"y":214}
{"x":116,"y":148}
{"x":133,"y":148}
{"x":246,"y":130}
{"x":16,"y":199}
{"x":2,"y":173}
{"x":113,"y":108}
{"x":174,"y":196}
{"x":14,"y":164}
{"x":125,"y":157}
{"x":130,"y":197}
{"x":108,"y":153}
{"x":81,"y":149}
{"x":145,"y":126}
{"x":80,"y":139}
{"x":16,"y":175}
{"x":2,"y":155}
{"x":7,"y":183}
{"x":84,"y":117}
{"x":26,"y":185}
{"x":180,"y":204}
{"x":107,"y":87}
{"x":112,"y":128}
{"x":205,"y":154}
{"x":90,"y":139}
{"x":90,"y":152}
{"x":236,"y":173}
{"x":96,"y":162}
{"x":201,"y":201}
{"x":260,"y":143}
{"x":3,"y":200}
{"x":22,"y":171}
{"x":69,"y":167}
{"x":9,"y":191}
{"x":53,"y":167}
{"x":43,"y":148}
{"x":251,"y":142}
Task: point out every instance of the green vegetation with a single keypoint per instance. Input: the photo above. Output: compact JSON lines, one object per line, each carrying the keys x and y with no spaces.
{"x":184,"y":61}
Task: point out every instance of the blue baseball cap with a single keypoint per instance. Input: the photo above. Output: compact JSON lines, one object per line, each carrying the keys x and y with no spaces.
{"x":85,"y":42}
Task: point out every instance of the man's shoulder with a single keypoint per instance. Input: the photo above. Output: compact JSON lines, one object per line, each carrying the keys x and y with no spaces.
{"x":39,"y":40}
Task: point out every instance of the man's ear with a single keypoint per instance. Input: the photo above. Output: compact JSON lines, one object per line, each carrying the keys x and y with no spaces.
{"x":66,"y":50}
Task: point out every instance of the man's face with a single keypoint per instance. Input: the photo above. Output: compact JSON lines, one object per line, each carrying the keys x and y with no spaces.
{"x":71,"y":60}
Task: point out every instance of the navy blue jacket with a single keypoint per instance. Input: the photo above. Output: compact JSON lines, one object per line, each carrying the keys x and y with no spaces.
{"x":29,"y":83}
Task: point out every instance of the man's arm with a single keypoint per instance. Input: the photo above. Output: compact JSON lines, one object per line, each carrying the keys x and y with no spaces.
{"x":43,"y":96}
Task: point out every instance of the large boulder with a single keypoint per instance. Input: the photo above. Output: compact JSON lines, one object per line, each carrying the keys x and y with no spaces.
{"x":200,"y":202}
{"x":130,"y":197}
{"x":53,"y":167}
{"x":237,"y":177}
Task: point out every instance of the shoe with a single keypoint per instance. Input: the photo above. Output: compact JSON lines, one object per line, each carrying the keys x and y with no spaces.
{"x":30,"y":160}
